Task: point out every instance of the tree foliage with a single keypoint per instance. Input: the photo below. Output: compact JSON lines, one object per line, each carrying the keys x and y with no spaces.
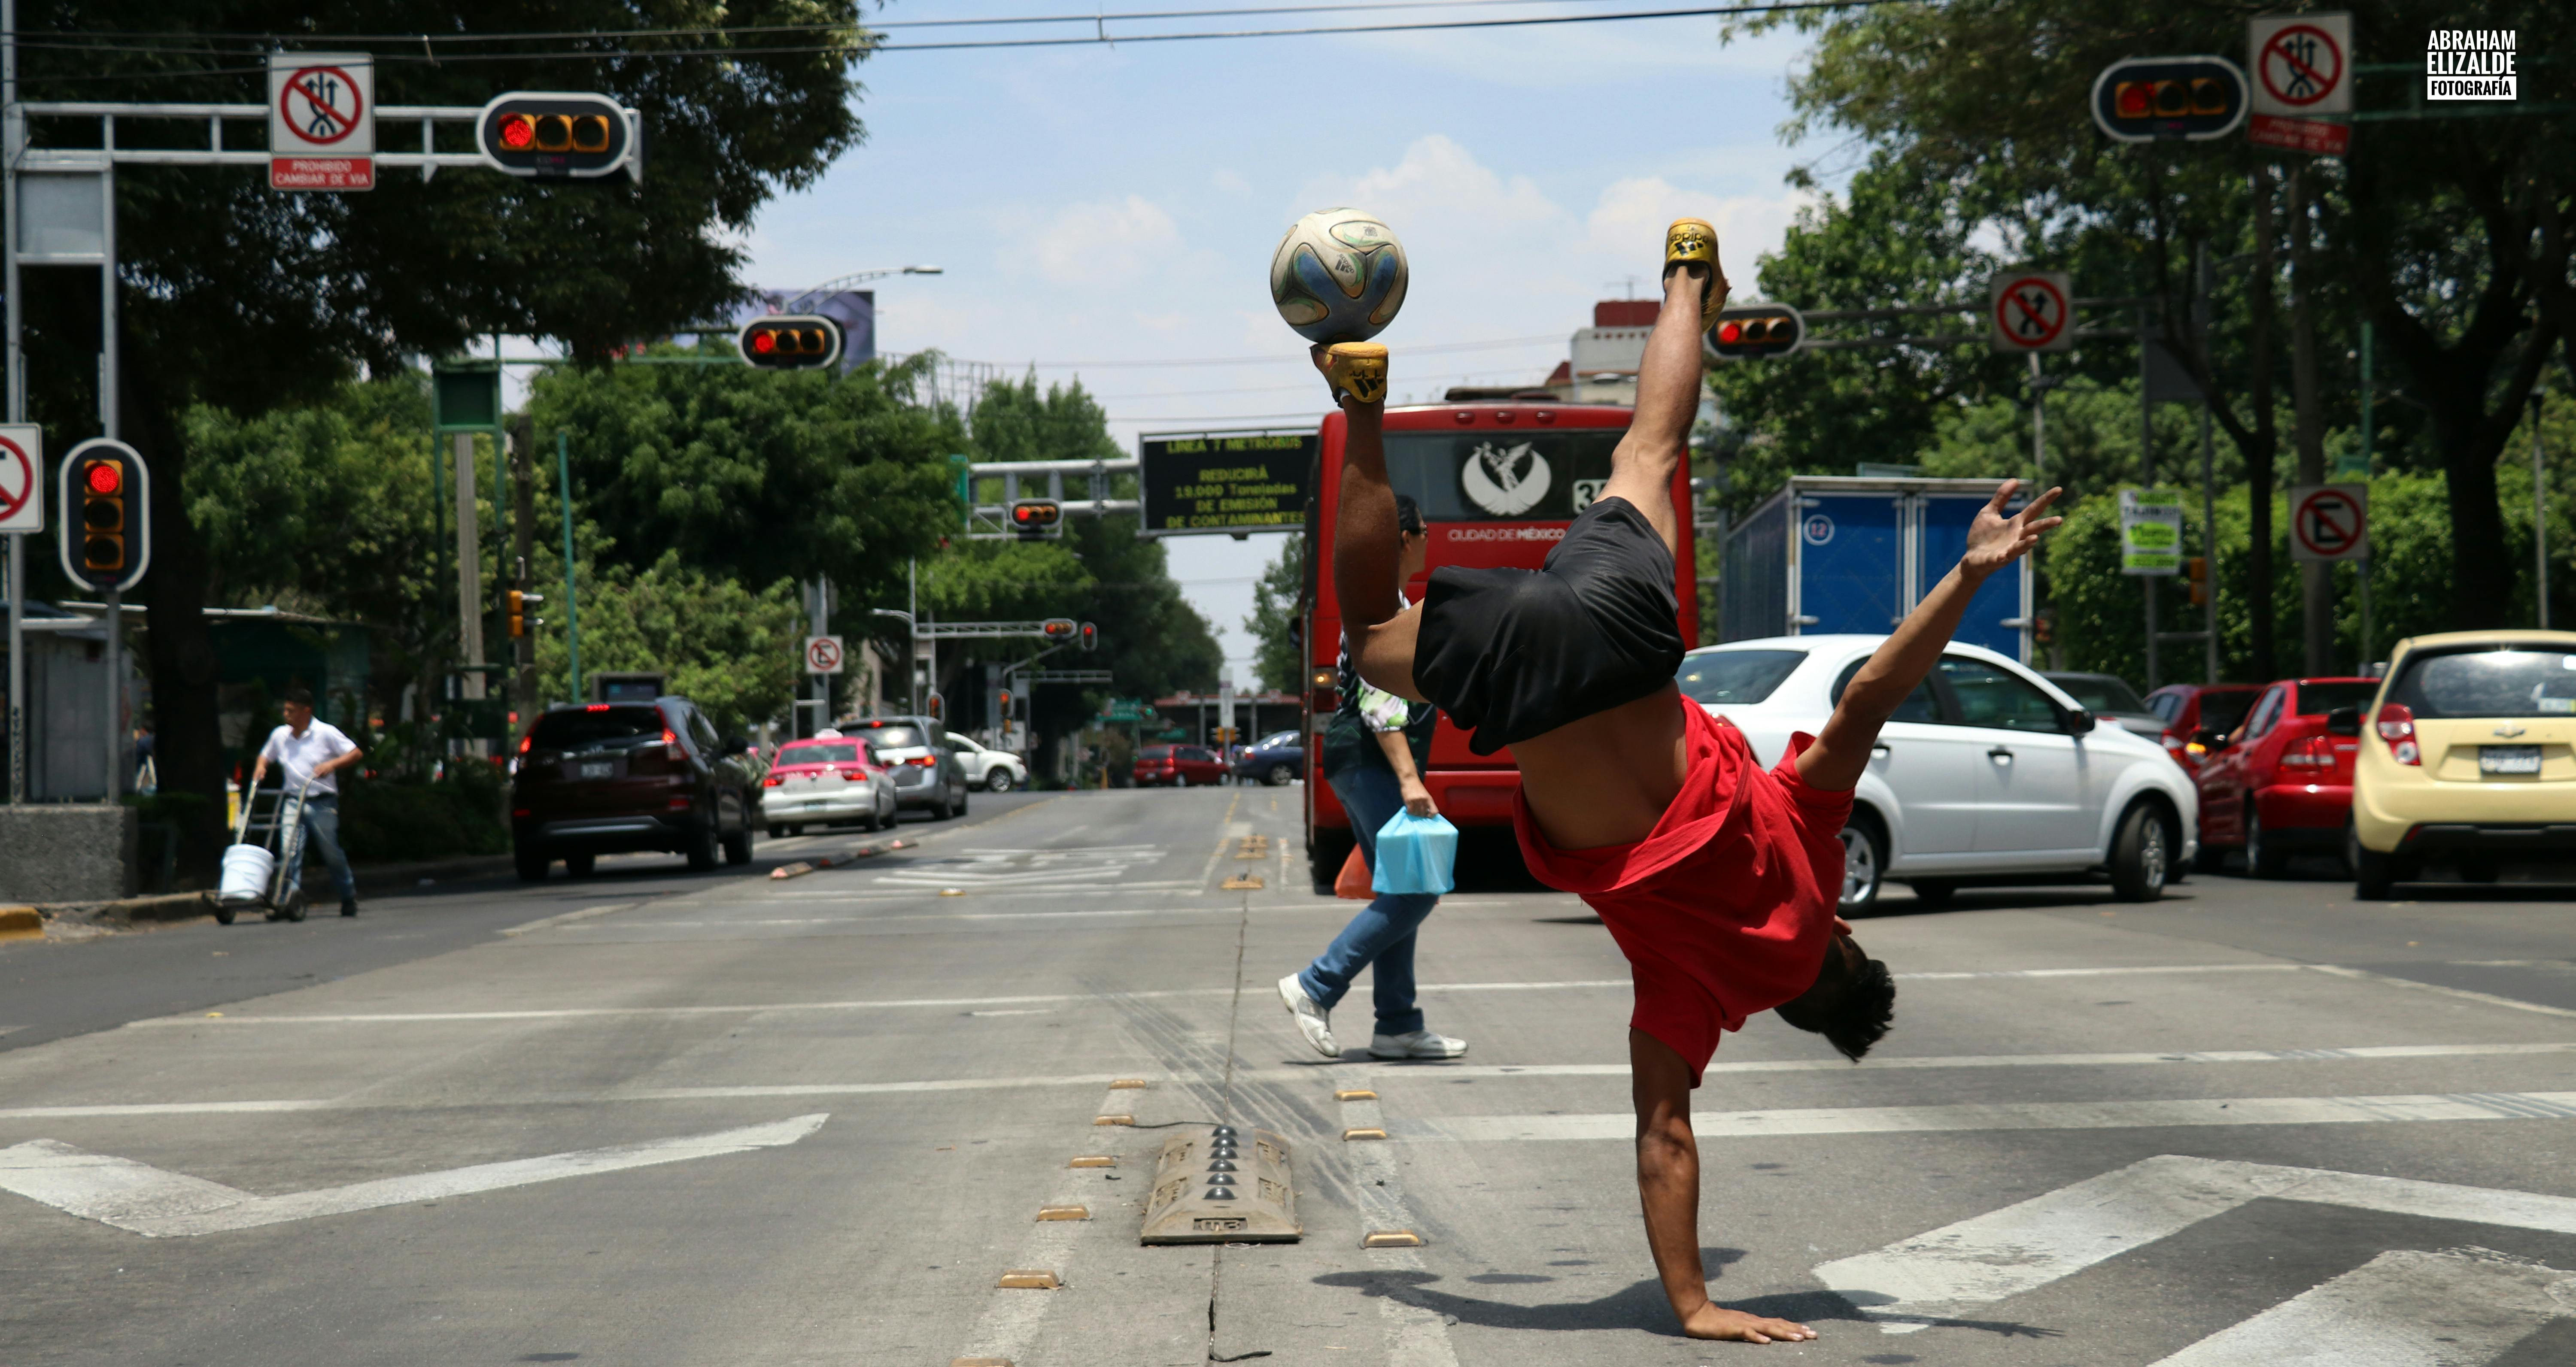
{"x":1276,"y":597}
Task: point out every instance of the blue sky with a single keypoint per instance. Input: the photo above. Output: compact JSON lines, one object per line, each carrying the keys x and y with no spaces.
{"x":1103,"y":211}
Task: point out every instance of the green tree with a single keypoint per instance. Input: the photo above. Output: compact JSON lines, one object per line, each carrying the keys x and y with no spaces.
{"x":730,"y":648}
{"x":1278,"y":599}
{"x":237,"y":296}
{"x":753,"y":474}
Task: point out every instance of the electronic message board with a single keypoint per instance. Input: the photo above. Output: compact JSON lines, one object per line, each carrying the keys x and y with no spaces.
{"x":1197,"y":483}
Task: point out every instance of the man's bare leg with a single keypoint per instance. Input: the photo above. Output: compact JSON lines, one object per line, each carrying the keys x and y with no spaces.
{"x":1606,"y":779}
{"x":1668,"y":1185}
{"x":1367,"y":543}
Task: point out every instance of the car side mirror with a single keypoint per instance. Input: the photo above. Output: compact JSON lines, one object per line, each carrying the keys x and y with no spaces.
{"x":2078,"y":722}
{"x":2344,"y":721}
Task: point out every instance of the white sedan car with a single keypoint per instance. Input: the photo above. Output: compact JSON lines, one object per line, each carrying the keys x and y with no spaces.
{"x":994,"y":771}
{"x":823,"y":782}
{"x":1989,"y":774}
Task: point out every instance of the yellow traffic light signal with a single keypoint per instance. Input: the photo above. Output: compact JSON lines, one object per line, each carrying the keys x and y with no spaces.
{"x":515,"y":604}
{"x":2197,"y":567}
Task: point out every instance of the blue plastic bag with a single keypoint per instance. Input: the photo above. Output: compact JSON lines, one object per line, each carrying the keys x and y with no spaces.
{"x":1415,"y":854}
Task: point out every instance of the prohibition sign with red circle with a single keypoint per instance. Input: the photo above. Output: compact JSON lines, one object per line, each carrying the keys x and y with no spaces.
{"x":322,"y":89}
{"x":17,"y":479}
{"x":2327,"y":522}
{"x":823,"y":656}
{"x":2035,"y":321}
{"x":2275,"y":49}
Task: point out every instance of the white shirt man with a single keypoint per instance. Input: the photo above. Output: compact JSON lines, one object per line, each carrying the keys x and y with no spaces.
{"x":310,"y":752}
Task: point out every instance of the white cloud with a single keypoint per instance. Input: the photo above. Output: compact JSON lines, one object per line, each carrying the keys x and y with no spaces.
{"x":1082,"y":245}
{"x":1638,"y":210}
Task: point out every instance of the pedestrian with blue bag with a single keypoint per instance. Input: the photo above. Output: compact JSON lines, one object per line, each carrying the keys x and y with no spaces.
{"x":1374,"y":753}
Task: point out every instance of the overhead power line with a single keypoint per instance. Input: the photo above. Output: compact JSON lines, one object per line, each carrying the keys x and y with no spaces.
{"x":1100,"y":36}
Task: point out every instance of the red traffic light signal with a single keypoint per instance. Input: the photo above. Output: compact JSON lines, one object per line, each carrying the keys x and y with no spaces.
{"x":107,"y":531}
{"x":1036,"y":517}
{"x":1090,"y":637}
{"x":555,"y":134}
{"x":2144,"y":99}
{"x":1757,"y":330}
{"x":1058,"y":628}
{"x":790,"y":341}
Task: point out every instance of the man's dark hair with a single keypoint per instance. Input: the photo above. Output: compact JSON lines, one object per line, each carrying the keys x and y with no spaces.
{"x":1852,"y":1003}
{"x":301,"y":697}
{"x":1408,"y":516}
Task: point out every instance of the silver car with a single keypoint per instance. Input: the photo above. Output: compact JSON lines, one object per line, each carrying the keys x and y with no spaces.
{"x":826,"y":781}
{"x":926,"y":772}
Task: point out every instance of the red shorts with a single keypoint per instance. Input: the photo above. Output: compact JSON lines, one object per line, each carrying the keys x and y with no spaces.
{"x":1726,"y":907}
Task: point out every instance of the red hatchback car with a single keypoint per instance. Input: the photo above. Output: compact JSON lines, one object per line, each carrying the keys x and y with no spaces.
{"x":2279,"y":783}
{"x":1177,"y":766}
{"x":2189,"y":709}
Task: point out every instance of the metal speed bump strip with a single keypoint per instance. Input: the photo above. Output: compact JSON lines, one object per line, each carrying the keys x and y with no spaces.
{"x":979,"y":1362}
{"x":1217,"y":1184}
{"x":1354,"y":1094}
{"x":1093,"y":1160}
{"x":21,"y":923}
{"x":1028,"y":1281}
{"x":1362,"y":1132}
{"x":1127,"y":1084}
{"x":1391,"y":1238}
{"x":1242,"y":882}
{"x":1119,"y":1119}
{"x":833,"y":861}
{"x":1064,"y":1212}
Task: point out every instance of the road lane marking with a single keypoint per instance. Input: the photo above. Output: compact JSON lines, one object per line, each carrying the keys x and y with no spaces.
{"x":1570,"y":984}
{"x":2459,"y":1305}
{"x":2025,"y":1115}
{"x":2458,"y":993}
{"x":1961,"y":1268}
{"x":1432,"y":1071}
{"x":1008,"y":1328}
{"x":1416,"y":1336}
{"x":571,"y":918}
{"x":158,"y":1204}
{"x":1395,"y":1072}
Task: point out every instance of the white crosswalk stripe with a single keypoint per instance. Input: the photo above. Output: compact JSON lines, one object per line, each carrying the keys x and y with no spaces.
{"x":1962,"y":1268}
{"x":2467,"y":1306}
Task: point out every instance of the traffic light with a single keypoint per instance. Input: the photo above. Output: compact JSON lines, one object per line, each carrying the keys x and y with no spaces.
{"x":1757,"y":330}
{"x":107,"y":528}
{"x":2197,"y":568}
{"x":554,"y":134}
{"x":1059,"y":628}
{"x":1036,"y":516}
{"x":515,"y":604}
{"x":2144,"y":99}
{"x":1090,"y":636}
{"x":790,"y":341}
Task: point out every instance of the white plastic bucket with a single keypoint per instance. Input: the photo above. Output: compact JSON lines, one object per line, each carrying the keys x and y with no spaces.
{"x":245,"y":874}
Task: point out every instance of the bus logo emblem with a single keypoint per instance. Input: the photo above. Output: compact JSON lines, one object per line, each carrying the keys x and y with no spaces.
{"x":1505,"y":482}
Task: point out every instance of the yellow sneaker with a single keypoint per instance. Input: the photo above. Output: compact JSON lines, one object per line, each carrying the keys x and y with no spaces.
{"x":1695,"y":240}
{"x":1356,"y":371}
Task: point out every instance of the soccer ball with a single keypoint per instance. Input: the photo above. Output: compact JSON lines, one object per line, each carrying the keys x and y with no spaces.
{"x":1338,"y":276}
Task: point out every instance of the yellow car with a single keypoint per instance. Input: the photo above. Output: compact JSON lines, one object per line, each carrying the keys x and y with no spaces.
{"x":2468,"y":758}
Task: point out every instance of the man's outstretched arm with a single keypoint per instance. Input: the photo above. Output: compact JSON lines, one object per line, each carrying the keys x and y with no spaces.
{"x":1841,"y":752}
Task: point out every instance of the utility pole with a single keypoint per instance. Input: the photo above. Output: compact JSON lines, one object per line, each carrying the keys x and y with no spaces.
{"x":2539,"y":516}
{"x":2038,"y":422}
{"x":2316,"y":578}
{"x":2368,"y":425}
{"x":13,"y":136}
{"x":523,"y":545}
{"x":572,"y":594}
{"x":469,"y":570}
{"x":2147,"y":479}
{"x":2208,"y":482}
{"x":2258,"y":472}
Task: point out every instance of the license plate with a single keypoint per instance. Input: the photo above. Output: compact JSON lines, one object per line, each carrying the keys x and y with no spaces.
{"x":599,"y":768}
{"x":2508,"y":759}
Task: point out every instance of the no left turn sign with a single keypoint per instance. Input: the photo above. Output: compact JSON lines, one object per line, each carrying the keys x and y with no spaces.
{"x":822,"y":654}
{"x":2031,"y":311}
{"x":22,"y":485}
{"x":321,"y":121}
{"x":2330,"y":522}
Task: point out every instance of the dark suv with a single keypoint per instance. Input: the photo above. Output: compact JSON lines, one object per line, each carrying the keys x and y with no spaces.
{"x":604,"y":778}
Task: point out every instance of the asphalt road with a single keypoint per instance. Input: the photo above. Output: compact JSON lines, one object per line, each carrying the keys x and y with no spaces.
{"x":733,"y":1120}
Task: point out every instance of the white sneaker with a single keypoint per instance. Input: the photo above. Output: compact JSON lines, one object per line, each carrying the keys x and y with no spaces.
{"x":1419,"y":1044}
{"x":1313,"y":1021}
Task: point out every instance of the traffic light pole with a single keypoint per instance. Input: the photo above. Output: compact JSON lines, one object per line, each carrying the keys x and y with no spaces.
{"x":10,"y":138}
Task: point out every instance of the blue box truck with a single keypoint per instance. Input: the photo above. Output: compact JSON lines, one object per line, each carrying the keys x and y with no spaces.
{"x":1837,"y":553}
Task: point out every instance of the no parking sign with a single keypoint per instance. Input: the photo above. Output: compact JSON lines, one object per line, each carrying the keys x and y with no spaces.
{"x":2330,"y":522}
{"x":22,"y":484}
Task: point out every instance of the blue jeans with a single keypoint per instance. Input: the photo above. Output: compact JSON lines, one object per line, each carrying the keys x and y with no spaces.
{"x":1382,"y":934}
{"x":322,"y":832}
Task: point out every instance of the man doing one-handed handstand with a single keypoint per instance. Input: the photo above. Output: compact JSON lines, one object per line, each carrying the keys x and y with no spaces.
{"x":1717,"y":877}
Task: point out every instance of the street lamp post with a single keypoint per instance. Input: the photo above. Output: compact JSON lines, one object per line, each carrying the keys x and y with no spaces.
{"x":841,"y":282}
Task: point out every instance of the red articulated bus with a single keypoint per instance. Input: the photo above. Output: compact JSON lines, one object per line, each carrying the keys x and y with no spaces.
{"x":1498,"y":484}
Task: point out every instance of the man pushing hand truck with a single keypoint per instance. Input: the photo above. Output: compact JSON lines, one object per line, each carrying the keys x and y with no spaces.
{"x":1717,"y":877}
